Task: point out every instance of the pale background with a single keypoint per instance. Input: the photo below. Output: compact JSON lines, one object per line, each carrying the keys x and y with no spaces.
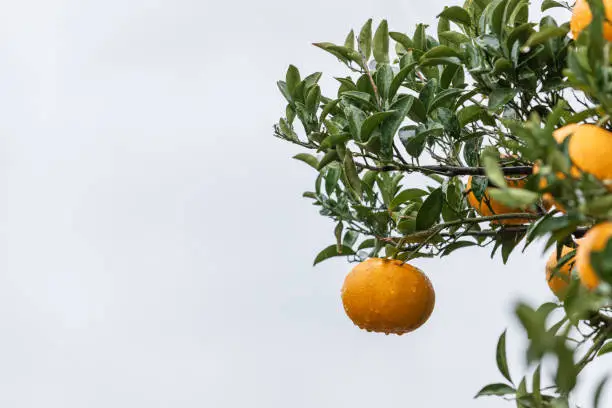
{"x":156,"y":251}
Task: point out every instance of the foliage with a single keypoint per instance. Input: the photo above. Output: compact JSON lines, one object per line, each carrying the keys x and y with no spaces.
{"x":480,"y":96}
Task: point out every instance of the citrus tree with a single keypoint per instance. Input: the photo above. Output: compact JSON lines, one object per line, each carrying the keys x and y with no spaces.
{"x":509,"y":119}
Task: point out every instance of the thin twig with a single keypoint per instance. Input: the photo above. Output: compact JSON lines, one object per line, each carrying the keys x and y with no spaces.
{"x":446,"y":170}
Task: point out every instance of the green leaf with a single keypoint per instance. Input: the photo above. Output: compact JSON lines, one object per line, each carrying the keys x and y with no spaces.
{"x":351,"y":173}
{"x":391,"y":125}
{"x":456,"y":245}
{"x":368,"y":243}
{"x":413,"y":140}
{"x":418,"y":111}
{"x":350,"y":237}
{"x":308,"y":159}
{"x":494,"y":171}
{"x":457,"y":15}
{"x":329,"y":157}
{"x":399,"y":78}
{"x":432,"y":62}
{"x":454,"y":37}
{"x":441,"y":51}
{"x":514,"y":197}
{"x":365,"y":39}
{"x":607,"y":348}
{"x":331,"y":178}
{"x":510,"y":240}
{"x":332,"y":251}
{"x":521,"y":391}
{"x":338,"y":234}
{"x":401,"y":38}
{"x":292,"y":78}
{"x":312,"y":79}
{"x":548,"y":4}
{"x":384,"y":76}
{"x":349,"y":42}
{"x":501,"y":66}
{"x":500,"y":356}
{"x":443,"y":26}
{"x":410,"y":194}
{"x":381,"y":43}
{"x":287,"y":130}
{"x":537,"y":393}
{"x":470,"y":114}
{"x":372,"y":122}
{"x":419,"y":40}
{"x":429,"y":213}
{"x":355,"y":118}
{"x":500,"y":97}
{"x":495,"y":389}
{"x":547,"y":308}
{"x":282,"y":87}
{"x":329,"y":106}
{"x":313,"y":99}
{"x":546,"y":34}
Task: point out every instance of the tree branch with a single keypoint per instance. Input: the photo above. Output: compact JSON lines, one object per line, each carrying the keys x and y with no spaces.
{"x":445,"y":170}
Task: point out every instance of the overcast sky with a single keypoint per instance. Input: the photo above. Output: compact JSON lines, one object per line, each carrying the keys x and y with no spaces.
{"x":156,"y":249}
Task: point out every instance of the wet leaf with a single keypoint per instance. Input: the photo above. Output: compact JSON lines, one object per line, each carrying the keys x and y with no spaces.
{"x":430,"y":212}
{"x":381,"y":43}
{"x":308,"y":159}
{"x":332,"y":251}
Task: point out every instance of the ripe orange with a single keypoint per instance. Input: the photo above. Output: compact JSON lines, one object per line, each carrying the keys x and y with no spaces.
{"x":559,"y":282}
{"x":487,"y":206}
{"x":594,"y":240}
{"x":590,"y":149}
{"x":387,"y":296}
{"x":582,"y":17}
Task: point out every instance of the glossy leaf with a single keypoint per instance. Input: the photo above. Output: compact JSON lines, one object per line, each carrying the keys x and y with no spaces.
{"x":292,"y":78}
{"x":500,"y":97}
{"x":457,"y":15}
{"x":332,"y":251}
{"x":546,"y":34}
{"x":372,"y":122}
{"x":410,"y":194}
{"x":381,"y":43}
{"x":351,"y":173}
{"x":391,"y":125}
{"x":430,"y":212}
{"x":349,"y":42}
{"x":401,"y":38}
{"x":365,"y":39}
{"x":308,"y":159}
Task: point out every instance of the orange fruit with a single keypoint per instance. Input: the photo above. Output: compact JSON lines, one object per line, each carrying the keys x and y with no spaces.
{"x":594,"y":240}
{"x":487,"y":206}
{"x":560,"y":280}
{"x":582,"y":17}
{"x":387,"y":296}
{"x":590,"y":149}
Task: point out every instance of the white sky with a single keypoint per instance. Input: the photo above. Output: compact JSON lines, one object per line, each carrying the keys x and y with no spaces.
{"x":156,"y":248}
